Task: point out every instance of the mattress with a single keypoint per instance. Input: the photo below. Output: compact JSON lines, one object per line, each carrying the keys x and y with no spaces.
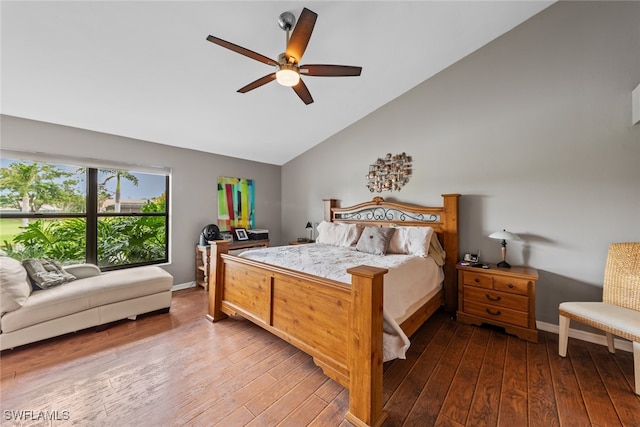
{"x":410,"y":282}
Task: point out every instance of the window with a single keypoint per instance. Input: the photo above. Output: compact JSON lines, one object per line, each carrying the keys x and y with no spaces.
{"x":114,"y":217}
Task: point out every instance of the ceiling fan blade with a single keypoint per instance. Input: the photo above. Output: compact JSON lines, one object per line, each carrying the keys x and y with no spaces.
{"x":301,"y":35}
{"x":303,"y":92}
{"x":330,"y":70}
{"x":256,"y":84}
{"x":241,"y":50}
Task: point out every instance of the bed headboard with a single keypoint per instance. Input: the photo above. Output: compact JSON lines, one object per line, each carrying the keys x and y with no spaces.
{"x":444,"y":221}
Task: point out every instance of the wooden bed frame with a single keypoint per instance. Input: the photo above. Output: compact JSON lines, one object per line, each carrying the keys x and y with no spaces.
{"x":311,"y":312}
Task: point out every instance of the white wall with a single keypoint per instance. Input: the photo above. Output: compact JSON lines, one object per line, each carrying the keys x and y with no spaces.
{"x":194,"y":178}
{"x":534,"y":130}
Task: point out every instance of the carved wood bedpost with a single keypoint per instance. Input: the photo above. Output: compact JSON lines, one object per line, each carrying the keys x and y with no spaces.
{"x":328,"y":205}
{"x":450,"y":226}
{"x":364,"y":357}
{"x":216,"y":271}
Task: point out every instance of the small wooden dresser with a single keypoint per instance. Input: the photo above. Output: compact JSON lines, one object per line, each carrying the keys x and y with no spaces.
{"x":203,"y":258}
{"x":504,"y":297}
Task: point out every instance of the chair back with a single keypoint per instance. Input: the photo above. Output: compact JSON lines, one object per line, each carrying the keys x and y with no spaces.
{"x":622,"y":275}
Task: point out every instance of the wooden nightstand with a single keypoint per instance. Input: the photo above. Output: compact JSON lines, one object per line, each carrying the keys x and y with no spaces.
{"x":203,"y":258}
{"x":203,"y":254}
{"x":504,"y":297}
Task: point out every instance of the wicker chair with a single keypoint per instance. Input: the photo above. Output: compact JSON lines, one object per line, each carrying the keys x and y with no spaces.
{"x":619,"y":312}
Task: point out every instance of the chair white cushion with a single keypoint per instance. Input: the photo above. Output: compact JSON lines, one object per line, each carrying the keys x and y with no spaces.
{"x":611,"y":316}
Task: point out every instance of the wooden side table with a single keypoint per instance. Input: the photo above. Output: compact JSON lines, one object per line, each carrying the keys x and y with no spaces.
{"x":203,"y":258}
{"x":203,"y":255}
{"x":504,"y":297}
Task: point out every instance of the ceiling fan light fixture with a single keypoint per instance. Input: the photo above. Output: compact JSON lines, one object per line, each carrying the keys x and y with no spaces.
{"x":287,"y":75}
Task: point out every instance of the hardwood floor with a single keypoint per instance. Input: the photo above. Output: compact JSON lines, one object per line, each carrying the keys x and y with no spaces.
{"x":179,"y":369}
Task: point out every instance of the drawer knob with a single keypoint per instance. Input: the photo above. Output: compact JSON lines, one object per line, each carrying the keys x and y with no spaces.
{"x":476,"y":280}
{"x":494,"y":313}
{"x":510,"y":286}
{"x":492,"y":298}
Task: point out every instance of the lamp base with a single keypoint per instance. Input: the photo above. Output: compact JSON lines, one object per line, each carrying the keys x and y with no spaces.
{"x":504,"y":264}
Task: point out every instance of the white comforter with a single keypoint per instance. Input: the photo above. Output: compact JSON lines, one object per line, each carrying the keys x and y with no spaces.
{"x":410,"y":282}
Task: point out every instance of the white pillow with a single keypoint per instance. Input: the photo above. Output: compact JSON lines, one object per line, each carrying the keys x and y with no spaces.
{"x":411,"y":240}
{"x":338,"y":234}
{"x":14,"y":285}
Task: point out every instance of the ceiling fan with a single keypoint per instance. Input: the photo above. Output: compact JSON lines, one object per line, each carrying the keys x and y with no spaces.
{"x":287,"y":68}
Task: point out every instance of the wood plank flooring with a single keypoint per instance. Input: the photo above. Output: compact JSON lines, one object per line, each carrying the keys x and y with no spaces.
{"x":179,"y":369}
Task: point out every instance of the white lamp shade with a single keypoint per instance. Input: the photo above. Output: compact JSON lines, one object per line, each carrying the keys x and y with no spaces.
{"x":504,"y":235}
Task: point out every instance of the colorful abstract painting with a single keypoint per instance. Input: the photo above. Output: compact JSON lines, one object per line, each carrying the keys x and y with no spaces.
{"x":236,"y":203}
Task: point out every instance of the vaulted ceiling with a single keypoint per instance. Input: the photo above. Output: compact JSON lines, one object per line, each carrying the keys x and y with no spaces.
{"x":145,"y":70}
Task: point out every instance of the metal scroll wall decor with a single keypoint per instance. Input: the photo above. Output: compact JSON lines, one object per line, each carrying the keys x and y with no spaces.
{"x":389,"y":173}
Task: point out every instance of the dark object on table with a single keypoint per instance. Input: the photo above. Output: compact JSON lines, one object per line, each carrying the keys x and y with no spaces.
{"x":209,"y":232}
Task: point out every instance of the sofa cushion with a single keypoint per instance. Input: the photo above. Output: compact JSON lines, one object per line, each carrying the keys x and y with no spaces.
{"x":14,"y":285}
{"x":84,"y":294}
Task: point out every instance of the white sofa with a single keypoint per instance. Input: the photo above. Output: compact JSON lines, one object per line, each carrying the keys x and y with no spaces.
{"x":93,"y":299}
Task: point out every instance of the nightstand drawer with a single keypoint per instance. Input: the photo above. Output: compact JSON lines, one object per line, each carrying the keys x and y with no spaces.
{"x":477,"y":279}
{"x":501,"y":299}
{"x":495,"y":313}
{"x":512,"y":285}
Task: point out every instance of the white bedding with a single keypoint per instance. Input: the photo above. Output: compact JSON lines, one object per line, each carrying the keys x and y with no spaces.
{"x":410,"y":282}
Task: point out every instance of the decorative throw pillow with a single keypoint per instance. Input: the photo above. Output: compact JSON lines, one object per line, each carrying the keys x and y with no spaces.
{"x":375,"y":240}
{"x":14,"y":285}
{"x":338,"y":234}
{"x":45,"y":274}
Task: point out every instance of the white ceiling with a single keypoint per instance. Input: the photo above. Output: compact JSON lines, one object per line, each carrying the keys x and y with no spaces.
{"x":145,"y":69}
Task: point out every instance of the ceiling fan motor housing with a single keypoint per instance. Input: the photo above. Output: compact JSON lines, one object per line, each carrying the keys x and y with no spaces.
{"x":282,"y":59}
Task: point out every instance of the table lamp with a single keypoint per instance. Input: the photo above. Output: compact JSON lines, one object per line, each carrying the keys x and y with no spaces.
{"x":310,"y":228}
{"x":504,"y":236}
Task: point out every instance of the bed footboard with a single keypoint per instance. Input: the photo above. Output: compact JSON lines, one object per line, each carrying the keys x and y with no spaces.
{"x":340,"y":326}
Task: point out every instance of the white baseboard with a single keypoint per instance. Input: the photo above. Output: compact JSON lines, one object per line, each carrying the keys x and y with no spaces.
{"x":181,"y":286}
{"x":620,"y":344}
